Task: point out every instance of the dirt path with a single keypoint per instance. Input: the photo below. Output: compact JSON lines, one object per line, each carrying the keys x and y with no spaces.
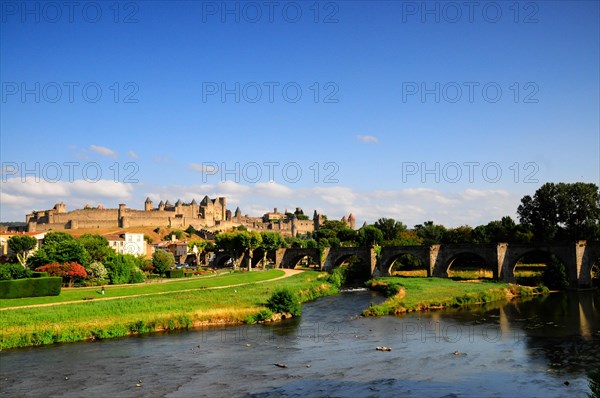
{"x":288,"y":273}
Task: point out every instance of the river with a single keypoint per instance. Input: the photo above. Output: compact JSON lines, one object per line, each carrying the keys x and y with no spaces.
{"x":541,"y":347}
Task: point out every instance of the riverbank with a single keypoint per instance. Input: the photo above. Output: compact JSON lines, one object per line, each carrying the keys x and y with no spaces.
{"x":161,"y":311}
{"x":420,"y":294}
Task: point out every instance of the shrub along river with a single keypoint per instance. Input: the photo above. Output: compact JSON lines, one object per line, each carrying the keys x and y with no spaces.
{"x":539,"y":347}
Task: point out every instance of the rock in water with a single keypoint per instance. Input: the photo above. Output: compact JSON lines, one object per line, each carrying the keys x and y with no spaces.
{"x":383,"y":348}
{"x":281,"y":365}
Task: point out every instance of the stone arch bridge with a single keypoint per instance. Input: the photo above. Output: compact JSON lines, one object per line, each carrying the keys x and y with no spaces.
{"x":502,"y":258}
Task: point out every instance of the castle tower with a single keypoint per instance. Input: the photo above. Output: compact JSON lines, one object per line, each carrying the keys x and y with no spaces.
{"x":178,"y":206}
{"x":317,"y":220}
{"x":195,"y":208}
{"x":223,"y":203}
{"x":60,"y":208}
{"x":352,"y":221}
{"x":122,"y":222}
{"x":148,"y":204}
{"x":294,"y":227}
{"x":161,"y":206}
{"x":238,"y":215}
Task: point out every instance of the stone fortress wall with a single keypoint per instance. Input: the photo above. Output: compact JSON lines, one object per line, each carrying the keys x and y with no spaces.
{"x":210,"y":214}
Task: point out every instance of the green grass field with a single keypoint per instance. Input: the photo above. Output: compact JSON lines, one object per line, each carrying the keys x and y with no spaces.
{"x":171,"y":285}
{"x":98,"y":319}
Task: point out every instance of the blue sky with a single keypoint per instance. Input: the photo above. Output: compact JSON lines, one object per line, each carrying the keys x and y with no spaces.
{"x":411,"y":110}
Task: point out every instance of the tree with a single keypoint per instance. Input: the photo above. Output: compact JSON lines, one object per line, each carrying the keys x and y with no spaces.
{"x":178,"y":235}
{"x":555,"y":275}
{"x":370,"y":236}
{"x":54,"y":238}
{"x":239,"y":243}
{"x":69,"y":271}
{"x":162,"y":261}
{"x":347,"y":236}
{"x":462,"y":234}
{"x":250,"y":241}
{"x":122,"y":268}
{"x":504,"y":230}
{"x":294,"y":242}
{"x":271,"y":241}
{"x":96,"y":246}
{"x":59,"y":250}
{"x":430,"y":233}
{"x":190,"y":230}
{"x":562,"y":211}
{"x":390,"y":228}
{"x":196,"y":247}
{"x":22,"y":245}
{"x":335,"y":232}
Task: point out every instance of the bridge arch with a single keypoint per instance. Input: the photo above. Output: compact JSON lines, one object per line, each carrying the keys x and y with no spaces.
{"x":337,"y":255}
{"x":389,"y":255}
{"x":590,"y":264}
{"x":292,"y":257}
{"x":447,"y":254}
{"x":221,"y":258}
{"x":408,"y":265}
{"x":515,"y":252}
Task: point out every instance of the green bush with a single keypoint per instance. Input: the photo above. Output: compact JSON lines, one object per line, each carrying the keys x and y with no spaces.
{"x":120,"y":268}
{"x":162,"y":261}
{"x":263,"y":315}
{"x":174,"y":273}
{"x":97,"y":270}
{"x":338,"y":276}
{"x":14,"y":271}
{"x":137,"y":276}
{"x":30,"y":287}
{"x":284,"y":301}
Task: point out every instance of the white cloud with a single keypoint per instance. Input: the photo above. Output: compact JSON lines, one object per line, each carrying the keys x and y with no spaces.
{"x":273,"y":190}
{"x":132,"y":155}
{"x":368,"y":139}
{"x":203,"y":168}
{"x":104,"y":151}
{"x":65,"y":189}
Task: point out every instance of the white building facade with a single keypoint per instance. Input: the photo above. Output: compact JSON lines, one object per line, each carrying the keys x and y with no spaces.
{"x":129,"y":243}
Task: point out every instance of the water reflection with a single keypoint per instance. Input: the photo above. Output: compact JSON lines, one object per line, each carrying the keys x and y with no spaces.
{"x":527,"y":347}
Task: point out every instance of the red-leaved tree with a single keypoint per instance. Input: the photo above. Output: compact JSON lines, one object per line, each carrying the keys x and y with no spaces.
{"x":70,"y":272}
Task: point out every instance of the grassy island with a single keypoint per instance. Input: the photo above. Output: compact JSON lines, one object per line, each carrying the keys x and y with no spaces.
{"x":419,"y":294}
